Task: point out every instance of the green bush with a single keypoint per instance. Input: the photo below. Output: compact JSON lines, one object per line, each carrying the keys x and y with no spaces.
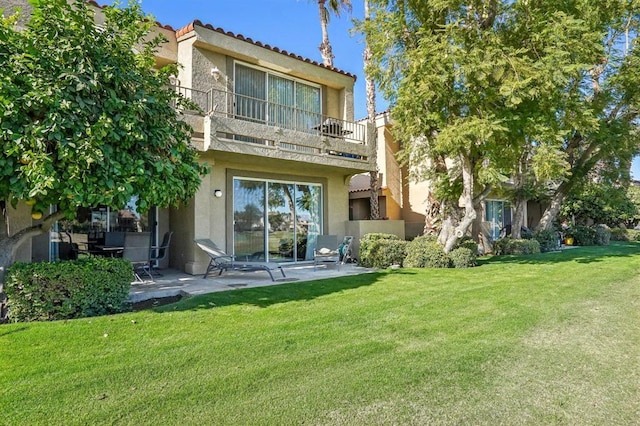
{"x":603,"y":235}
{"x":582,"y":235}
{"x":462,"y":257}
{"x":508,"y":245}
{"x":467,"y":242}
{"x":548,"y":240}
{"x":619,"y":234}
{"x":70,"y":289}
{"x":370,"y":247}
{"x":425,"y":252}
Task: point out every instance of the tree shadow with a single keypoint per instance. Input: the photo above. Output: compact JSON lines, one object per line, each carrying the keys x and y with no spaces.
{"x":270,"y":295}
{"x":589,"y":254}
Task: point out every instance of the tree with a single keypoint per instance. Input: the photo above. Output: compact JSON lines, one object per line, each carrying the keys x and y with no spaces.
{"x":479,"y":87}
{"x":372,"y":134}
{"x":335,"y":6}
{"x":86,"y":119}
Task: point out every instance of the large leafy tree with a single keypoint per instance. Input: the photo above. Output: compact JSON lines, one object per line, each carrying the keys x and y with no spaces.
{"x":485,"y":90}
{"x":85,"y":117}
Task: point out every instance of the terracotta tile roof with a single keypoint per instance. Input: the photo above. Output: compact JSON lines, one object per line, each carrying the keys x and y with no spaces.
{"x":158,"y":24}
{"x":191,"y":27}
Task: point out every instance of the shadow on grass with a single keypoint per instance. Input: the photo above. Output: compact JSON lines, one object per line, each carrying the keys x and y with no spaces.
{"x":271,"y":295}
{"x":588,"y":254}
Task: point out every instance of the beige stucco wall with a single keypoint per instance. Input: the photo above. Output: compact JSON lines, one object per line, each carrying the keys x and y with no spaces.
{"x":210,"y":217}
{"x":357,"y":228}
{"x":20,"y":218}
{"x":204,"y":49}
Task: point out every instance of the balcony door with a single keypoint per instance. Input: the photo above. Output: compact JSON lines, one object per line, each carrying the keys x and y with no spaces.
{"x":274,"y":220}
{"x":276,"y":100}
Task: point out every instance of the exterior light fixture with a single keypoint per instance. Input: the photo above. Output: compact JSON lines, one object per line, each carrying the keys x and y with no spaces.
{"x":217,"y":193}
{"x":215,"y":73}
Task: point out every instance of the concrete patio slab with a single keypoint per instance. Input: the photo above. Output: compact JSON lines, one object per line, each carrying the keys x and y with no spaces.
{"x":173,"y":282}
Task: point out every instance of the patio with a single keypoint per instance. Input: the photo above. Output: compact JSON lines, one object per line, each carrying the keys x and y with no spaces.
{"x":173,"y":282}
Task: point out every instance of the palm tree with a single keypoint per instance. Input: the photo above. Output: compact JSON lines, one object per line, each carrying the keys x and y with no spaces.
{"x":372,"y":132}
{"x":334,"y":6}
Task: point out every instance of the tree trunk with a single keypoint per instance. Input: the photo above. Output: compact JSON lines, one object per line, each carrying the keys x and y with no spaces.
{"x":518,"y":220}
{"x":452,"y":234}
{"x":372,"y":133}
{"x":325,"y":46}
{"x":432,"y":222}
{"x":551,"y":212}
{"x":9,"y":246}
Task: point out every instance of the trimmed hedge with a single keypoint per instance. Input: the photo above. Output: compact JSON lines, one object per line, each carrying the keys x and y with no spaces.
{"x":621,"y":234}
{"x":508,"y":245}
{"x":70,"y":289}
{"x":603,"y":235}
{"x":425,"y":252}
{"x":548,"y":240}
{"x":379,"y":250}
{"x":463,"y":257}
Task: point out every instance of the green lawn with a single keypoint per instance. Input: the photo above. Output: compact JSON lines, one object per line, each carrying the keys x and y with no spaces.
{"x":546,"y":339}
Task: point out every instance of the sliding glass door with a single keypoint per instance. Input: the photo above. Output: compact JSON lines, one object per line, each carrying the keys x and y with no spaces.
{"x":275,"y":220}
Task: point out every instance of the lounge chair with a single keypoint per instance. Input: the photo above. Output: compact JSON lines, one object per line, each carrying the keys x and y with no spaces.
{"x":222,"y":261}
{"x":326,"y":250}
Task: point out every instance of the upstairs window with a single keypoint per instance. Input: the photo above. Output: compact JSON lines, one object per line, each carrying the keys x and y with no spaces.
{"x":273,"y":99}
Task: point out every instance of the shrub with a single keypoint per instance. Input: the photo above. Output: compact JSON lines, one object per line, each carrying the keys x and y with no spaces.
{"x":69,"y":289}
{"x":425,"y":252}
{"x":370,"y":245}
{"x":603,"y":235}
{"x":462,"y":257}
{"x":468,"y":242}
{"x":619,"y":234}
{"x":548,"y":240}
{"x":508,"y":245}
{"x":582,"y":235}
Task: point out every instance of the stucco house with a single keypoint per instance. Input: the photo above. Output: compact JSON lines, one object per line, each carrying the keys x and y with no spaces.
{"x":405,"y":199}
{"x":279,"y":134}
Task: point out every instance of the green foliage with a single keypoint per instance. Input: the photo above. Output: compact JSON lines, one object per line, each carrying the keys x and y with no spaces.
{"x":548,"y":240}
{"x":469,"y":243}
{"x":425,"y":252}
{"x":603,"y":233}
{"x":509,"y":88}
{"x":599,"y":203}
{"x":589,"y":236}
{"x":621,"y":234}
{"x":86,"y":120}
{"x":582,"y":235}
{"x":462,"y":257}
{"x":374,"y":251}
{"x":71,"y":289}
{"x":509,"y":245}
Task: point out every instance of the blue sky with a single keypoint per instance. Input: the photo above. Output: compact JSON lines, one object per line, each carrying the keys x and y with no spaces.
{"x":292,"y":25}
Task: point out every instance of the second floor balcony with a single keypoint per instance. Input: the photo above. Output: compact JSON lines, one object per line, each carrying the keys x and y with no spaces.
{"x":236,"y":123}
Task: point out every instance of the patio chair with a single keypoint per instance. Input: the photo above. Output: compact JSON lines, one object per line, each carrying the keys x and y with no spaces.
{"x":160,"y":253}
{"x":222,"y":261}
{"x":326,"y":251}
{"x":137,"y":246}
{"x":346,"y":254}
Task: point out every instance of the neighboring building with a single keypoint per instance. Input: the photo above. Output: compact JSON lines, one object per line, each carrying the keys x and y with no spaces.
{"x":278,"y":133}
{"x":403,"y":198}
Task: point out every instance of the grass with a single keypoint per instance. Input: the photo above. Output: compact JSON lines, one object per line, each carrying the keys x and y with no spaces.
{"x":545,"y":339}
